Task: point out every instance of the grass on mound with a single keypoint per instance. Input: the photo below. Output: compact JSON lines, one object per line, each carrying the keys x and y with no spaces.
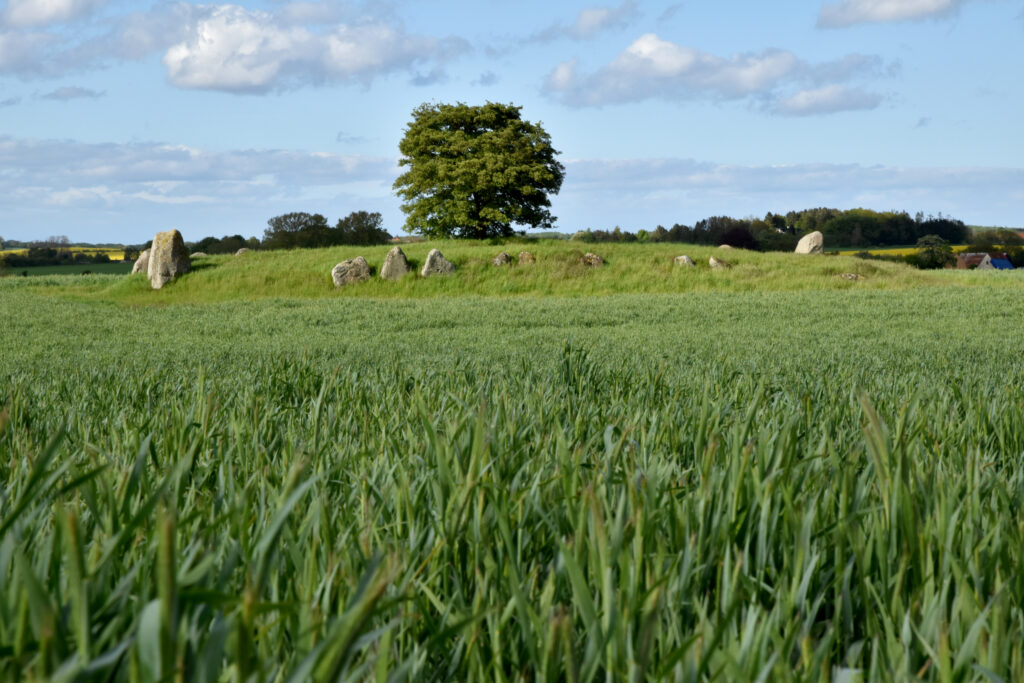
{"x":629,"y":268}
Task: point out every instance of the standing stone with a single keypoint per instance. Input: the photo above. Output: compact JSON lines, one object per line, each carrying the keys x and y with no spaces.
{"x":168,"y":258}
{"x":502,"y":259}
{"x":526,"y":258}
{"x":718,"y":263}
{"x":592,"y":260}
{"x":350,"y":270}
{"x":396,"y":266}
{"x":437,"y":264}
{"x":684,"y":260}
{"x":243,"y":250}
{"x":142,"y":263}
{"x":811,"y":243}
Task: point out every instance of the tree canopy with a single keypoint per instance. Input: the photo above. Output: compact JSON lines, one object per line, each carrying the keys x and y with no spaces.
{"x":474,"y":171}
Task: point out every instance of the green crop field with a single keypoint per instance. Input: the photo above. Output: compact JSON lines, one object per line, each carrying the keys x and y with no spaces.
{"x":634,"y":473}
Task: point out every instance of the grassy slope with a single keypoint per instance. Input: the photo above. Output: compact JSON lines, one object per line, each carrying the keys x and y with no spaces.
{"x":630,"y":268}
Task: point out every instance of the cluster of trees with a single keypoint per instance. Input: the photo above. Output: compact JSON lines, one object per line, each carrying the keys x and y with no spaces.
{"x":935,"y":252}
{"x":303,"y":230}
{"x":781,"y":232}
{"x":300,"y":230}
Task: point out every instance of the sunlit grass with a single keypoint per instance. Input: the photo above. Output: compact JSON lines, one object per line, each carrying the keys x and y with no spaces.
{"x":727,"y":485}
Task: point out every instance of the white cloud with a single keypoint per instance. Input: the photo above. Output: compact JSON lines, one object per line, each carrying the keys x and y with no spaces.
{"x":827,"y":100}
{"x":590,"y":22}
{"x":850,"y":12}
{"x":654,"y":68}
{"x":239,"y":50}
{"x":24,"y":13}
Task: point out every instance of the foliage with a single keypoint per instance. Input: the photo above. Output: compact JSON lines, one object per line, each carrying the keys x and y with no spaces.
{"x":933,"y":252}
{"x":360,"y":227}
{"x":303,"y":230}
{"x":229,"y":244}
{"x":475,"y":171}
{"x":251,"y":491}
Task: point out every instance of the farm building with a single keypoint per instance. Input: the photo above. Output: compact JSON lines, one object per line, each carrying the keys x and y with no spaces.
{"x":984,"y":261}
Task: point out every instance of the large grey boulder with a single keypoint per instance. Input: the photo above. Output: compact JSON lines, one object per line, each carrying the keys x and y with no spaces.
{"x":811,"y":243}
{"x":243,"y":250}
{"x":525,"y":258}
{"x":141,"y":263}
{"x":437,"y":264}
{"x":502,"y":259}
{"x":593,"y":260}
{"x":718,"y":263}
{"x":168,"y":258}
{"x":198,"y":254}
{"x":684,"y":260}
{"x":396,"y":266}
{"x":349,"y":271}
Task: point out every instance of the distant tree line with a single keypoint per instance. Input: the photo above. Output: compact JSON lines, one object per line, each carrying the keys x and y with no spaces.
{"x":300,"y":230}
{"x":781,"y":232}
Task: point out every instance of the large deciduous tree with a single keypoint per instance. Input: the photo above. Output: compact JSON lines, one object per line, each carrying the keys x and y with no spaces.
{"x":474,"y":171}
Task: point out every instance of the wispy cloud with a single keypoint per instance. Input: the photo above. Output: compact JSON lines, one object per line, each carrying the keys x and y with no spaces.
{"x":850,"y":12}
{"x":57,"y":170}
{"x":71,"y":93}
{"x":654,"y":68}
{"x":590,"y":22}
{"x":487,"y":78}
{"x":827,"y":100}
{"x":23,"y":13}
{"x":667,"y":190}
{"x":10,"y":102}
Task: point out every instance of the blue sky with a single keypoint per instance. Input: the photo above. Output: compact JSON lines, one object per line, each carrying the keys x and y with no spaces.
{"x":119,"y":119}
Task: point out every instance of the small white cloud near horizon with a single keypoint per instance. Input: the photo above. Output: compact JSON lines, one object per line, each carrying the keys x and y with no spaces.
{"x":234,"y":49}
{"x":851,"y":12}
{"x":28,"y":13}
{"x":651,"y":68}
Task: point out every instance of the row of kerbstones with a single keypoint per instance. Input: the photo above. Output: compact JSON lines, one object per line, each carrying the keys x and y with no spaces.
{"x":395,"y":267}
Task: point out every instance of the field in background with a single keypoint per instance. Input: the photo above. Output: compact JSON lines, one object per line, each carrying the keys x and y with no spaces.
{"x":112,"y":254}
{"x":767,"y":472}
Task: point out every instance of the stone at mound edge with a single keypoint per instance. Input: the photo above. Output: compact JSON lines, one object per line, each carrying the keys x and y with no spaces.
{"x":502,"y":259}
{"x":718,"y":263}
{"x":396,"y":266}
{"x":684,"y":260}
{"x":811,"y":243}
{"x":243,"y":250}
{"x":525,"y":258}
{"x":168,"y":258}
{"x":437,"y":264}
{"x":592,"y":260}
{"x":142,"y":263}
{"x":349,"y":271}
